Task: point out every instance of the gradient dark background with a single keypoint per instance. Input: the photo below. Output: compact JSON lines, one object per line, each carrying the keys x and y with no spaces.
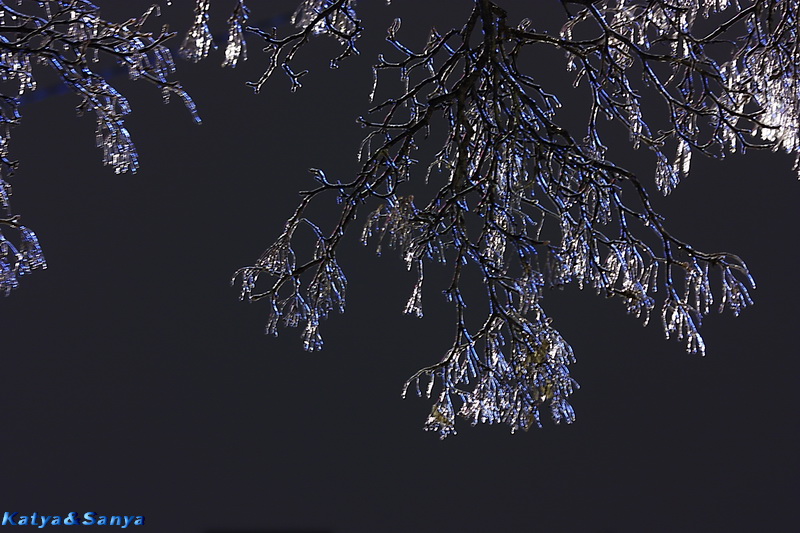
{"x":134,"y":382}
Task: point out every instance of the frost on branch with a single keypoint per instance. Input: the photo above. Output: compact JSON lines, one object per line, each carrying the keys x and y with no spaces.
{"x":765,"y":70}
{"x":527,"y":203}
{"x":70,"y":38}
{"x":333,"y":18}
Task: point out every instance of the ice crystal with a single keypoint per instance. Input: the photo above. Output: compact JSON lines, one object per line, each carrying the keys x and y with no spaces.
{"x":414,"y":305}
{"x":237,"y":47}
{"x":198,"y":41}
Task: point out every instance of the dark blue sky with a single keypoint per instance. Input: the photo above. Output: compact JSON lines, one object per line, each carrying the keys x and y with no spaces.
{"x":136,"y":383}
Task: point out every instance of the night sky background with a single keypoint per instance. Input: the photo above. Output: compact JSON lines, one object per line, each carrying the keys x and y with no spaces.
{"x":135,"y":382}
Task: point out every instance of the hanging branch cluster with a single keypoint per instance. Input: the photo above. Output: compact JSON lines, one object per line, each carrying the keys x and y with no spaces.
{"x":530,"y":204}
{"x":69,"y":37}
{"x":515,"y":195}
{"x":334,"y":18}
